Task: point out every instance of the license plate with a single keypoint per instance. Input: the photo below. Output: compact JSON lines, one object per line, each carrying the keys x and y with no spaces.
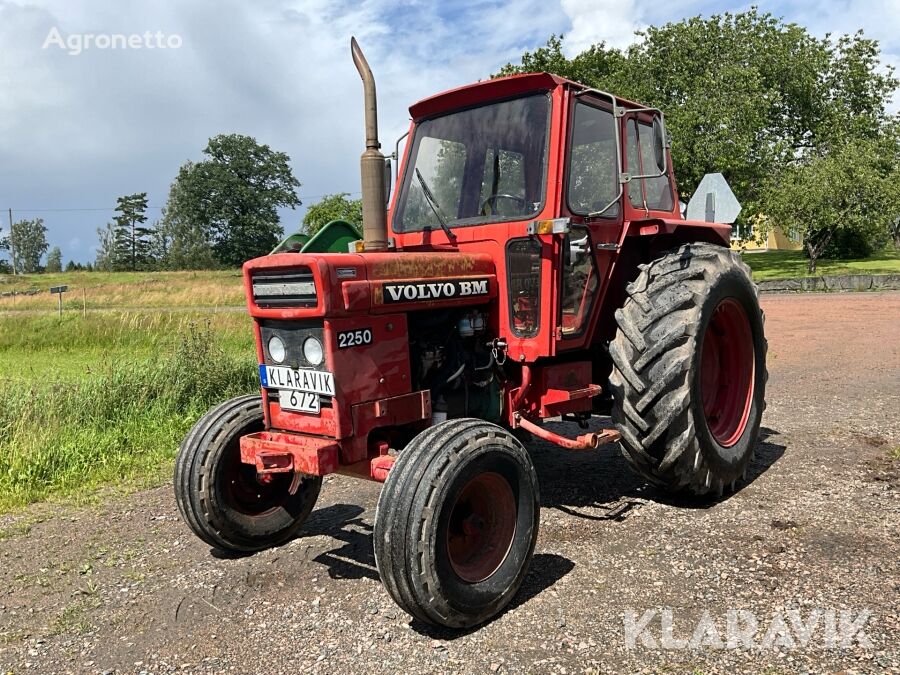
{"x":300,"y":401}
{"x":297,"y":379}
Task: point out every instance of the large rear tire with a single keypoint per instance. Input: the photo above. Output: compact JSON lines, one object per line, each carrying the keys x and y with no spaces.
{"x":689,"y":373}
{"x":456,"y":523}
{"x":221,"y":499}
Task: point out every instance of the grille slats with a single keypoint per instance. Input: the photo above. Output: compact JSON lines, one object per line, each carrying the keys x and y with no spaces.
{"x":294,"y":289}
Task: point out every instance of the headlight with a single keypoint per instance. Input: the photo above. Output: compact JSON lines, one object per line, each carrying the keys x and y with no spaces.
{"x":312,"y":350}
{"x":276,"y":349}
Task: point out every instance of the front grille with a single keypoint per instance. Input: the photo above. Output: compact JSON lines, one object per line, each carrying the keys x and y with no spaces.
{"x":291,"y":289}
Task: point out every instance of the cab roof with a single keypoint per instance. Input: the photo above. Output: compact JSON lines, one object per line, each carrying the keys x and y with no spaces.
{"x":493,"y":90}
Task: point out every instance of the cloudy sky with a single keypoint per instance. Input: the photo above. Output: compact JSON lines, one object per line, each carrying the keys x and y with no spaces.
{"x":76,"y":131}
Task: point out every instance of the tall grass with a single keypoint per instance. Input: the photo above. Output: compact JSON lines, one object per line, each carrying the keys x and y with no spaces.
{"x":120,"y":423}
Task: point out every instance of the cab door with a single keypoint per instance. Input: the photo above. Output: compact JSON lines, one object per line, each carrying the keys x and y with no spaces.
{"x":592,"y":199}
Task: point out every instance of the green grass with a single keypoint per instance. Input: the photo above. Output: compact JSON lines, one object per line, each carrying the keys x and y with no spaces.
{"x":793,"y":264}
{"x":106,"y":399}
{"x":36,"y":347}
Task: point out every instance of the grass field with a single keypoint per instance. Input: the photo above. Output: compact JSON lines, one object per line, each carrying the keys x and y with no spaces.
{"x":105,"y":290}
{"x":793,"y":264}
{"x":105,"y":399}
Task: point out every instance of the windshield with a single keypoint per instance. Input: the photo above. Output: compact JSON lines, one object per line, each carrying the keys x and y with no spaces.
{"x":475,"y":165}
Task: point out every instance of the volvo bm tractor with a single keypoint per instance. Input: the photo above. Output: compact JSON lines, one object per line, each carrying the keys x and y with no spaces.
{"x":532,"y":265}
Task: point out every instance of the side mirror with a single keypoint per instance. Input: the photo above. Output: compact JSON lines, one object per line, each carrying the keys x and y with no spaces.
{"x":388,"y":177}
{"x":659,"y":144}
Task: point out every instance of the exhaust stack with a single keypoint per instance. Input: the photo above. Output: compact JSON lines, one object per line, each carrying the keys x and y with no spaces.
{"x":371,"y":164}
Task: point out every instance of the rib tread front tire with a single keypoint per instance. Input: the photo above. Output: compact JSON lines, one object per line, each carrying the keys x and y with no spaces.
{"x":410,"y":515}
{"x":208,"y":509}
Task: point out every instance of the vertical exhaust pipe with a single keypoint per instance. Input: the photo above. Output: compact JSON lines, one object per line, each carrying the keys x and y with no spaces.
{"x":371,"y":164}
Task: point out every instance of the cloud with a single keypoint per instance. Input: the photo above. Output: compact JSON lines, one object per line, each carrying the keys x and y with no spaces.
{"x":593,"y":21}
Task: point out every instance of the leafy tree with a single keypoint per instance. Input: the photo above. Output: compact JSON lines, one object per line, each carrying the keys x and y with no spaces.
{"x":844,"y":192}
{"x":233,"y":196}
{"x":183,"y":245}
{"x":29,"y":239}
{"x":4,"y":246}
{"x":54,"y":260}
{"x":132,"y":239}
{"x":745,"y":94}
{"x":106,"y":260}
{"x":332,"y":207}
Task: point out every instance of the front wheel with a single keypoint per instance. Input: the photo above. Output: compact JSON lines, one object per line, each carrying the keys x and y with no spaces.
{"x":222,"y":499}
{"x":456,"y":523}
{"x":689,"y":372}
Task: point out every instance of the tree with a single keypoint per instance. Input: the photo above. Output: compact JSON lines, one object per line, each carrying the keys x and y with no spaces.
{"x":4,"y":245}
{"x":745,"y":94}
{"x":54,"y":260}
{"x":332,"y":207}
{"x":183,"y":245}
{"x":132,"y":239}
{"x":29,"y":239}
{"x":106,"y":248}
{"x":232,"y":198}
{"x":845,"y":191}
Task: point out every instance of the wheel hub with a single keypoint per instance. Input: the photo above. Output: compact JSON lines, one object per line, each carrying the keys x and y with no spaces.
{"x":482,"y":526}
{"x":727,"y":372}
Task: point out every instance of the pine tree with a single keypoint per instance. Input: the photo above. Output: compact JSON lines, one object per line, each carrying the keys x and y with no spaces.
{"x":132,"y":239}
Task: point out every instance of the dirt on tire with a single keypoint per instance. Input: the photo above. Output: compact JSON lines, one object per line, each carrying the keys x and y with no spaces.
{"x":123,"y":586}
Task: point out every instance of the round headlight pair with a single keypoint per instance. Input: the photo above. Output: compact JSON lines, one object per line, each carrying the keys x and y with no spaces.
{"x":312,"y":350}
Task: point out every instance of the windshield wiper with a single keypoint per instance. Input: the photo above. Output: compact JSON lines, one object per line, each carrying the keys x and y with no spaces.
{"x":432,"y":202}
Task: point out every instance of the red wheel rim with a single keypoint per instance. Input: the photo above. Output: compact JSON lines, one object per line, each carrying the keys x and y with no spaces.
{"x":249,"y":493}
{"x":481,"y":528}
{"x":727,"y":372}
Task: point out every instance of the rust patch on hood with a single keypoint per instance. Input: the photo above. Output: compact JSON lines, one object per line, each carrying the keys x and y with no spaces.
{"x":429,"y":265}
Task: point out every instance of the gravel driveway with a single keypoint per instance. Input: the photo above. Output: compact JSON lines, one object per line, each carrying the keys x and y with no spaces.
{"x":625,"y":579}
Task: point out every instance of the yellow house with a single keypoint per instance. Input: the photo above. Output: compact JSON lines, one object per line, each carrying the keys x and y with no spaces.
{"x":755,"y":238}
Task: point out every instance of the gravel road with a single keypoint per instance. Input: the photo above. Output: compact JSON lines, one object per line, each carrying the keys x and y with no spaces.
{"x":123,"y":587}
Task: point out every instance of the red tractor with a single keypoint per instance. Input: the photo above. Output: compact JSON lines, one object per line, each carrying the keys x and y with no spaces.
{"x":533,"y":264}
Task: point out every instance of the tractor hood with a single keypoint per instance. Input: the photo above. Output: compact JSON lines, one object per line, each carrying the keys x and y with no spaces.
{"x":296,"y":286}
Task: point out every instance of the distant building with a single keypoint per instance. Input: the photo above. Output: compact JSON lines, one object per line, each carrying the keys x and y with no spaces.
{"x":753,"y":238}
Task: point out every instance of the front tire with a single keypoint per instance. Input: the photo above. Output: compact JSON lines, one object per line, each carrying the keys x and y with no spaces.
{"x":220,"y":497}
{"x":689,"y":372}
{"x":457,"y":522}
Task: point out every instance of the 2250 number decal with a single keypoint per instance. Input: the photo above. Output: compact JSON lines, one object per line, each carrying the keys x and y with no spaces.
{"x":354,"y":338}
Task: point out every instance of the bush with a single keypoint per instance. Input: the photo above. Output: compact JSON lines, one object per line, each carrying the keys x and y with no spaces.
{"x":849,"y":244}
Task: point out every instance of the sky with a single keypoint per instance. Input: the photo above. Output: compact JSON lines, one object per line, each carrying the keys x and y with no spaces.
{"x":80,"y":127}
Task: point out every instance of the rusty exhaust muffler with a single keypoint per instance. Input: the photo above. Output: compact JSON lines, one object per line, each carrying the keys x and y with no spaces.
{"x":371,"y":164}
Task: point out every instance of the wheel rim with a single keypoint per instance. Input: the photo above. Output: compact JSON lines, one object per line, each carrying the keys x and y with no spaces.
{"x":482,"y":527}
{"x":249,"y":494}
{"x":727,"y":372}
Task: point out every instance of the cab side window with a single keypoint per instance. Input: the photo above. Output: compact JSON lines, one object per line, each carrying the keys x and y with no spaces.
{"x":640,"y":157}
{"x":592,"y":176}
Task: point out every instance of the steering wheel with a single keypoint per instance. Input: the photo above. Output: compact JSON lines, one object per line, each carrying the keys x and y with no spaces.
{"x":490,"y":202}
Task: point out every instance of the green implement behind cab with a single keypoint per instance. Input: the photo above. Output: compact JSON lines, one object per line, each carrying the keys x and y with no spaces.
{"x":334,"y":237}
